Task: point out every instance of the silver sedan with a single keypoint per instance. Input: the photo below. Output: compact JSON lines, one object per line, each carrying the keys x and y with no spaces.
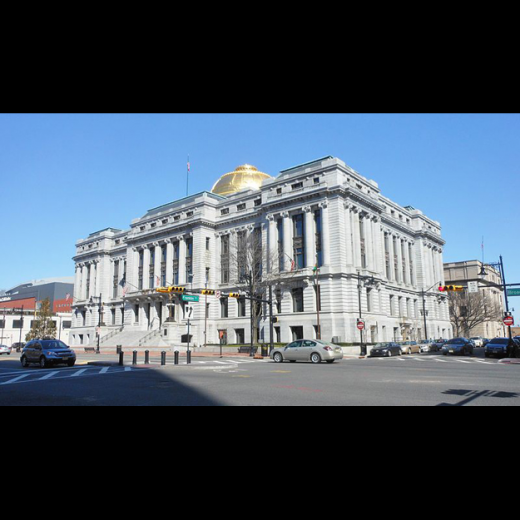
{"x":4,"y":349}
{"x":314,"y":351}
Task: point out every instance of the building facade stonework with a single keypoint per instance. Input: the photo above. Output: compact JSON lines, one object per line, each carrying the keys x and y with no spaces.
{"x":323,"y":213}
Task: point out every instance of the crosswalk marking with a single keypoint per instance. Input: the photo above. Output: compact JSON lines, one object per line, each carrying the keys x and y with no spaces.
{"x":15,"y":379}
{"x":49,"y":375}
{"x":79,"y":372}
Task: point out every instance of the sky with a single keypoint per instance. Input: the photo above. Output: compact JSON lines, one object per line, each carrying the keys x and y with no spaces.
{"x":64,"y":176}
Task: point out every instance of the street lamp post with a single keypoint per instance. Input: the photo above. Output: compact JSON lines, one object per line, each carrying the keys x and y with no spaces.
{"x":500,"y":267}
{"x":369,"y":281}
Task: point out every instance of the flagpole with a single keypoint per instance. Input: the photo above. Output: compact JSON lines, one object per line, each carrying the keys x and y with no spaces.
{"x":188,"y":177}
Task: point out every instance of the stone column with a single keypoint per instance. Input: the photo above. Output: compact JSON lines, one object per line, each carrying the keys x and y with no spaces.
{"x":325,"y":238}
{"x":287,"y":241}
{"x":310,"y":237}
{"x":348,"y":234}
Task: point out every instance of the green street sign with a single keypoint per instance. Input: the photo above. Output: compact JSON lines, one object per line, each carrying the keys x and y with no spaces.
{"x":189,"y":298}
{"x":513,"y":292}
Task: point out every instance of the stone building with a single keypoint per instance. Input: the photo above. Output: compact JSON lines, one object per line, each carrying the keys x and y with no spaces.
{"x":323,"y":214}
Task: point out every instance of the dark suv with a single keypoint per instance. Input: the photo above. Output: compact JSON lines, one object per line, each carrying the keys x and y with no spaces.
{"x":47,"y":352}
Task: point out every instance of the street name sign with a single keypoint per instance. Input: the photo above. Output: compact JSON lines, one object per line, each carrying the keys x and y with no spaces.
{"x":190,"y":298}
{"x":513,"y":292}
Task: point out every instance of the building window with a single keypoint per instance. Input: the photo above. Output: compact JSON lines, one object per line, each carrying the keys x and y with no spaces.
{"x":396,"y":261}
{"x":241,"y":337}
{"x":141,"y":270}
{"x":88,"y":283}
{"x":297,"y":295}
{"x":241,"y":207}
{"x":281,"y":256}
{"x":369,"y":300}
{"x":163,"y":266}
{"x":363,"y":244}
{"x":152,"y":269}
{"x":189,"y":259}
{"x":175,"y":263}
{"x":241,"y":307}
{"x":115,"y":284}
{"x":319,"y":227}
{"x":224,"y":308}
{"x":224,"y":258}
{"x":299,"y":241}
{"x":242,"y":254}
{"x":387,"y":257}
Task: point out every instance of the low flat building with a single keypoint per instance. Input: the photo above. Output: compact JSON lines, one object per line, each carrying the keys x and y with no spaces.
{"x":462,"y":273}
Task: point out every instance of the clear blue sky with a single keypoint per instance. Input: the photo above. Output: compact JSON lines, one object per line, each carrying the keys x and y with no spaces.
{"x":64,"y":176}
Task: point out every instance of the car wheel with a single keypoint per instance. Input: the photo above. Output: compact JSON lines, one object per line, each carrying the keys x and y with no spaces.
{"x":24,"y":362}
{"x":71,"y":363}
{"x":315,"y":358}
{"x":43,"y":362}
{"x":278,"y":358}
{"x":389,"y":354}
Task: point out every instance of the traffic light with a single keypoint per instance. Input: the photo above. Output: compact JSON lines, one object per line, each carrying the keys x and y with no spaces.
{"x":275,"y":319}
{"x":234,"y":295}
{"x":451,"y":288}
{"x":208,"y":292}
{"x":179,"y":290}
{"x":162,"y":289}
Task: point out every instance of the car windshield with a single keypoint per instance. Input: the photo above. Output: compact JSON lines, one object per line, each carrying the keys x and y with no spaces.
{"x":379,"y":345}
{"x":500,"y":341}
{"x":456,"y":341}
{"x":55,"y":345}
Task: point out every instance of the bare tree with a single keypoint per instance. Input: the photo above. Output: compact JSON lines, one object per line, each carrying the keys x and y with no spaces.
{"x":252,"y":269}
{"x":468,"y":311}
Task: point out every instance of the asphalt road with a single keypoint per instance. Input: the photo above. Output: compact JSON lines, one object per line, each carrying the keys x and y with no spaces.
{"x":417,"y":380}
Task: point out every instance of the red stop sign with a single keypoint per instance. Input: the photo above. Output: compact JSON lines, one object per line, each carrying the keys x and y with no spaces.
{"x":509,"y":321}
{"x":361,"y":325}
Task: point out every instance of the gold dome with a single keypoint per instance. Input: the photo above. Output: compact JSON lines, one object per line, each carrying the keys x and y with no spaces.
{"x":245,"y":177}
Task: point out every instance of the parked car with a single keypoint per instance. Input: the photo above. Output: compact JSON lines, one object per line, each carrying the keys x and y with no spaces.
{"x":500,"y":347}
{"x":46,"y":353}
{"x":386,"y":350}
{"x":437,"y":345}
{"x":426,"y":345}
{"x":485,"y":341}
{"x":479,"y":341}
{"x":314,"y":351}
{"x":18,"y":346}
{"x":410,"y":347}
{"x":4,"y":349}
{"x":458,"y":346}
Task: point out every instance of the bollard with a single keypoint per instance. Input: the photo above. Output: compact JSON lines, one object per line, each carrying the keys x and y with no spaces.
{"x":146,"y":357}
{"x":188,"y":357}
{"x":134,"y":358}
{"x":176,"y":357}
{"x":121,"y":358}
{"x":163,"y":358}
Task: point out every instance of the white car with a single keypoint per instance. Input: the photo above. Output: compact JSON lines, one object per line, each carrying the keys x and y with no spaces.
{"x":4,"y":349}
{"x":479,"y":342}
